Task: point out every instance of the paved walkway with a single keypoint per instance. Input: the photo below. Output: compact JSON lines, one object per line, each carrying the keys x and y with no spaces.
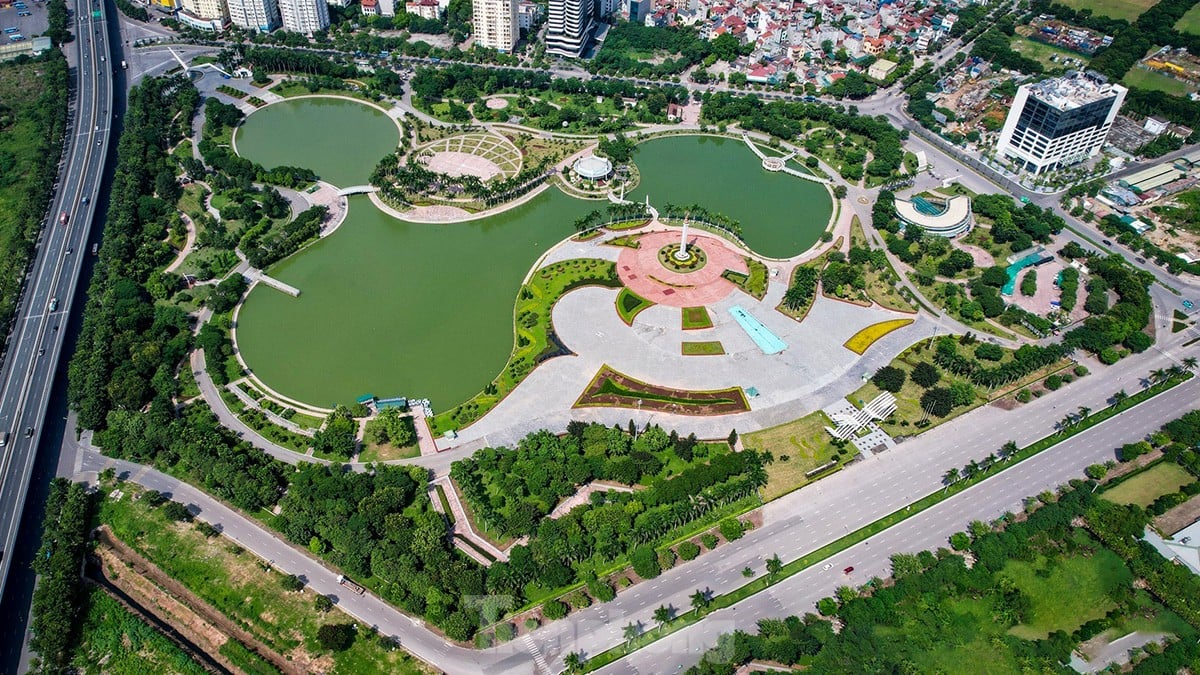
{"x":641,"y":270}
{"x":462,"y":524}
{"x":187,"y":246}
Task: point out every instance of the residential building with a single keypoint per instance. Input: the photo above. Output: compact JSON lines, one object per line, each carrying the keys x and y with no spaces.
{"x":259,"y":15}
{"x":1060,"y":121}
{"x":304,"y":16}
{"x":338,"y":3}
{"x":207,"y":15}
{"x":426,"y":9}
{"x":494,"y":24}
{"x":569,"y":27}
{"x":370,"y":7}
{"x":386,"y":7}
{"x":528,"y":14}
{"x":607,"y":7}
{"x":880,"y":70}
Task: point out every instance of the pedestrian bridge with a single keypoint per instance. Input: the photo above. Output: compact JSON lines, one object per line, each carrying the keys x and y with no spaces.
{"x":357,"y":190}
{"x":780,"y":163}
{"x":258,"y":275}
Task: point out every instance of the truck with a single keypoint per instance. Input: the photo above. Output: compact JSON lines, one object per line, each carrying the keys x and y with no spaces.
{"x":348,"y":583}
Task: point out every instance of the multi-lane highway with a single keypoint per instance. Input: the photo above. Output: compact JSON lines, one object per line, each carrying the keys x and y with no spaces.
{"x":36,"y":342}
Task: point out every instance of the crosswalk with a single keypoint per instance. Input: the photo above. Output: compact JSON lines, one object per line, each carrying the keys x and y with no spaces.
{"x":538,"y":659}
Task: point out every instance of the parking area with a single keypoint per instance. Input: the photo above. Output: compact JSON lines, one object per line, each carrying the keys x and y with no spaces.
{"x":27,"y":26}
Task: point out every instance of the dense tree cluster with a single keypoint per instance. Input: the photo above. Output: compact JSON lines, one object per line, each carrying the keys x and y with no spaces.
{"x":264,"y":244}
{"x":995,"y":46}
{"x":32,"y":125}
{"x":788,"y":120}
{"x":1026,"y":359}
{"x":625,"y":37}
{"x":128,"y":346}
{"x":511,"y":491}
{"x":803,"y":288}
{"x":468,"y":83}
{"x":411,"y":180}
{"x":1020,"y":225}
{"x":57,"y":605}
{"x":1101,"y":333}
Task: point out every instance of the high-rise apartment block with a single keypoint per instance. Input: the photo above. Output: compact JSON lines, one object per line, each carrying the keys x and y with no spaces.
{"x":304,"y":16}
{"x":205,"y":15}
{"x":1059,"y":122}
{"x":259,"y":15}
{"x":569,"y":27}
{"x":494,"y":24}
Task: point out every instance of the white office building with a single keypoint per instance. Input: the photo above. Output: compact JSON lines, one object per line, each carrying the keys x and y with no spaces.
{"x":259,"y":15}
{"x":569,"y":26}
{"x":1059,"y":122}
{"x":494,"y":24}
{"x":304,"y":16}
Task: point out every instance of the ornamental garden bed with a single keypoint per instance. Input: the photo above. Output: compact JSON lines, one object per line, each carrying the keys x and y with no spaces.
{"x":696,"y":318}
{"x":612,"y":389}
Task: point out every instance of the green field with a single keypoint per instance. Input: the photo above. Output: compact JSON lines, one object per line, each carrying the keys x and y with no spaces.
{"x":696,"y":318}
{"x":1041,"y":52}
{"x":1117,"y":9}
{"x":116,"y":642}
{"x":1148,"y":79}
{"x":630,"y":304}
{"x":708,"y":348}
{"x":33,"y":99}
{"x":1190,"y":22}
{"x":1066,"y":593}
{"x":798,"y":447}
{"x":1142,"y":489}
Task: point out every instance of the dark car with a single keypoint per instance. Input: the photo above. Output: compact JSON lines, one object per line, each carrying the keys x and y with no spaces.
{"x":1107,"y":242}
{"x":848,"y":570}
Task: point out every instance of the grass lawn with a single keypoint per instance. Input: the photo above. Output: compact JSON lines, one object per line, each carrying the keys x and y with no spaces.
{"x":1190,"y":21}
{"x":973,"y":641}
{"x":384,"y":453}
{"x":1146,"y":486}
{"x":1041,"y":52}
{"x":1148,"y":79}
{"x":630,"y":304}
{"x":754,"y":283}
{"x":881,"y":283}
{"x":709,"y":348}
{"x":192,"y":201}
{"x":1068,"y":592}
{"x":695,"y":318}
{"x":238,"y":584}
{"x":1117,"y":9}
{"x":799,"y":446}
{"x":123,"y":643}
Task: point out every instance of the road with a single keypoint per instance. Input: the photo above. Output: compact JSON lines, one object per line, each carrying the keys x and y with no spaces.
{"x":35,"y":345}
{"x":793,"y":525}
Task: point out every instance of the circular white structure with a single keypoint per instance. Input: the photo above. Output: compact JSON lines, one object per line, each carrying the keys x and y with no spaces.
{"x":593,"y":167}
{"x":772,"y":163}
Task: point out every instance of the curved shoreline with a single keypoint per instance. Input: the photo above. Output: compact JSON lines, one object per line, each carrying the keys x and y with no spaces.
{"x":386,"y":113}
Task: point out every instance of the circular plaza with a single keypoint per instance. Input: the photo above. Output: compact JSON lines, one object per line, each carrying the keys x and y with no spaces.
{"x":644,"y":271}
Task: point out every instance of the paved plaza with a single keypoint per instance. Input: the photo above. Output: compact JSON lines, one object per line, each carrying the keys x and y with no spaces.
{"x":642,"y":272}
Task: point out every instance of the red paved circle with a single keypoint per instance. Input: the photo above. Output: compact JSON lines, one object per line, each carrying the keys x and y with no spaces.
{"x":641,"y":271}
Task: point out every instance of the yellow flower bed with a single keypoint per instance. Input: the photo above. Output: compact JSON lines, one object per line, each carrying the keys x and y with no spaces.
{"x":861,"y":341}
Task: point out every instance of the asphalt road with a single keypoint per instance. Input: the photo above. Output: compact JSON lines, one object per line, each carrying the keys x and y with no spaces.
{"x":35,"y":344}
{"x":793,"y":525}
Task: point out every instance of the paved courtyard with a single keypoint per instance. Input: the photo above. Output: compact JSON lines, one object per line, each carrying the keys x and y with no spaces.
{"x":641,"y":270}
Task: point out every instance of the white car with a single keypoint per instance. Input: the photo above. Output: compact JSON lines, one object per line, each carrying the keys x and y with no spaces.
{"x":826,"y":567}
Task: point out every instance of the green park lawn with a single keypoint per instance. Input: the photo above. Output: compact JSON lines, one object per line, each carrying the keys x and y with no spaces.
{"x":707,"y":348}
{"x":695,"y":318}
{"x":630,"y":304}
{"x":1147,"y":486}
{"x":798,"y":447}
{"x":1066,"y":593}
{"x":1117,"y":9}
{"x":238,"y":584}
{"x":1041,"y":52}
{"x":1190,"y":21}
{"x":1148,"y":79}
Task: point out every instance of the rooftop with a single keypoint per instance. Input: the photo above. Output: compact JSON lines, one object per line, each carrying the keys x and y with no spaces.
{"x":1074,"y":89}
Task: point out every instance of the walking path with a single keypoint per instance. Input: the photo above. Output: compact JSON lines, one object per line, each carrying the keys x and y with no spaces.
{"x":462,"y":525}
{"x":187,"y":246}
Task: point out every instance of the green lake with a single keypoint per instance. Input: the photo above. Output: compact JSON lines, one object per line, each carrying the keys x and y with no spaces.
{"x":339,"y":139}
{"x":424,"y":310}
{"x":781,"y":215}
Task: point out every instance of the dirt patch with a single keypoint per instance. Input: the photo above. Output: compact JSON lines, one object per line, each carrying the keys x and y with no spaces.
{"x":132,"y":564}
{"x":497,"y":103}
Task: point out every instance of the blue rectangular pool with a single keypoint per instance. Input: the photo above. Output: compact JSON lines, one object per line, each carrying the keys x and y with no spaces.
{"x":767,"y":341}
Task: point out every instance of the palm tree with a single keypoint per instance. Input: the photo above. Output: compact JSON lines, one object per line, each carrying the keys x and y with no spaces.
{"x":950,"y":477}
{"x":1158,"y":375}
{"x":632,"y":630}
{"x":699,"y":599}
{"x":574,"y":662}
{"x":774,"y":565}
{"x":663,"y":614}
{"x":1008,"y":449}
{"x":1189,"y":362}
{"x":1084,"y":411}
{"x":1119,"y":397}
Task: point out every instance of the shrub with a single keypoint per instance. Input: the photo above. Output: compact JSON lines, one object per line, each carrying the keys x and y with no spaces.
{"x":1024,"y":396}
{"x":1138,"y":342}
{"x":291,"y":582}
{"x":532,"y":623}
{"x":177,"y":512}
{"x":505,"y":632}
{"x":484,"y":641}
{"x":666,"y":559}
{"x":323,"y":603}
{"x":1054,"y":382}
{"x":827,"y":606}
{"x":939,"y":401}
{"x":554,"y":609}
{"x":1081,"y":370}
{"x":709,"y":540}
{"x":959,"y":541}
{"x":207,"y":530}
{"x":153,"y":498}
{"x":687,"y":550}
{"x":1109,"y":356}
{"x":336,"y":637}
{"x":732,"y":529}
{"x":889,"y":378}
{"x":645,"y":562}
{"x":601,"y":590}
{"x":579,"y":600}
{"x":925,"y":375}
{"x":989,"y":352}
